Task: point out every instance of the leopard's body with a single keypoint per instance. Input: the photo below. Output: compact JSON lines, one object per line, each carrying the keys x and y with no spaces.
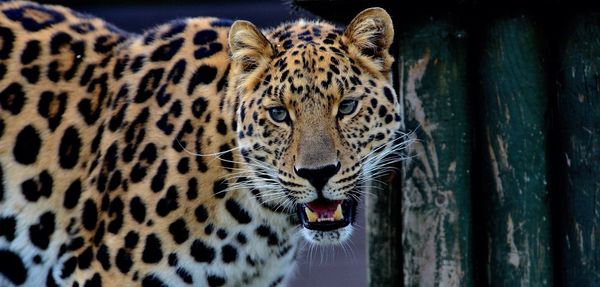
{"x":151,"y":159}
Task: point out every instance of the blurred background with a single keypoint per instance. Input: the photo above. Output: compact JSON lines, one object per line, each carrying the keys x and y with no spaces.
{"x":139,"y":15}
{"x":335,"y":266}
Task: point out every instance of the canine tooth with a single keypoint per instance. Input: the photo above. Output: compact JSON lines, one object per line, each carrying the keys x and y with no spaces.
{"x":338,"y":213}
{"x":312,"y":217}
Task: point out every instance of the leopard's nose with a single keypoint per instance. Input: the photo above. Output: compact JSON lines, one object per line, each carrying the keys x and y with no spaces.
{"x":319,"y":176}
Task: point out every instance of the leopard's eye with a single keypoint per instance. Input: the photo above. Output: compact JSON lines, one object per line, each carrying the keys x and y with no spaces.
{"x":278,"y":114}
{"x":347,"y":107}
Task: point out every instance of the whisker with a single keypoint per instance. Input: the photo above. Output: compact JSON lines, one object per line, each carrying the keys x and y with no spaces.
{"x":208,"y":154}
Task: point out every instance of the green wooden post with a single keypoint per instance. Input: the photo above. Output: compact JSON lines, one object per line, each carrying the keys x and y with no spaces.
{"x":579,"y":134}
{"x":515,"y":191}
{"x":384,"y":232}
{"x":435,"y":182}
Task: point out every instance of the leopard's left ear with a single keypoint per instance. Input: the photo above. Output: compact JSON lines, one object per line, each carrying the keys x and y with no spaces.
{"x":250,"y":49}
{"x":369,"y":37}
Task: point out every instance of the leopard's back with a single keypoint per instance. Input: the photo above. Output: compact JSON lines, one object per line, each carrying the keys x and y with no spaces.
{"x":55,"y":66}
{"x":101,"y":136}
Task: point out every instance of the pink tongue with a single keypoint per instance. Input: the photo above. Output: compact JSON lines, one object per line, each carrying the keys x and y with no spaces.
{"x":324,"y":209}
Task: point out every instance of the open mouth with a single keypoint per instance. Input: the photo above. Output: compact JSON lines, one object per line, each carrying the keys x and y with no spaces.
{"x":327,"y":215}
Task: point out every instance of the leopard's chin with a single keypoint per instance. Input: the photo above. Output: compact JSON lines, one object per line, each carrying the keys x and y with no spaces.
{"x":327,"y":222}
{"x":333,"y":237}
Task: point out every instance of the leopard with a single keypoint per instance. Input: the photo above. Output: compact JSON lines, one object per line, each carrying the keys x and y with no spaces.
{"x":201,"y":152}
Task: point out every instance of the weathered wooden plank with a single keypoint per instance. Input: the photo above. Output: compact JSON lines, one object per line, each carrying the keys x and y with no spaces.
{"x":515,"y":192}
{"x":579,"y":134}
{"x":384,"y":232}
{"x":435,"y":181}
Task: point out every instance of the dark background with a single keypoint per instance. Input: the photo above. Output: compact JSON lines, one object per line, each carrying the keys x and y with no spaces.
{"x":139,"y":15}
{"x":332,"y":266}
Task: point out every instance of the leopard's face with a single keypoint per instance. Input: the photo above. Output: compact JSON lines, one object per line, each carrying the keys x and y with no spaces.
{"x":317,"y":114}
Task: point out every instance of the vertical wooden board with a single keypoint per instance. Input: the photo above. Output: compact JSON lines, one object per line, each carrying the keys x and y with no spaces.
{"x":384,"y":232}
{"x":435,"y":180}
{"x":579,"y":134}
{"x":517,"y":224}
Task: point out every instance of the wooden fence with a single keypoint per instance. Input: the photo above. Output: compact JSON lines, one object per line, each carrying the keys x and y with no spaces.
{"x":502,"y":187}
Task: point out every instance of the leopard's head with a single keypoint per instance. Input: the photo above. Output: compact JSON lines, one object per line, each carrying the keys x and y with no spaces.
{"x":317,"y":116}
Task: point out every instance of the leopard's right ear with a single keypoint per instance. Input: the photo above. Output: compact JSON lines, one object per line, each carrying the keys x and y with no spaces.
{"x":249,"y":47}
{"x":369,"y":37}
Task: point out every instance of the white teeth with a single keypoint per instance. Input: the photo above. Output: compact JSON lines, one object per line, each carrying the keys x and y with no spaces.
{"x":315,"y":217}
{"x":312,"y":217}
{"x":338,"y":213}
{"x":325,"y":219}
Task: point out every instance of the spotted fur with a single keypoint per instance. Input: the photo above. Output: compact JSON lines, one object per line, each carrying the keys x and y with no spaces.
{"x":152,"y":160}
